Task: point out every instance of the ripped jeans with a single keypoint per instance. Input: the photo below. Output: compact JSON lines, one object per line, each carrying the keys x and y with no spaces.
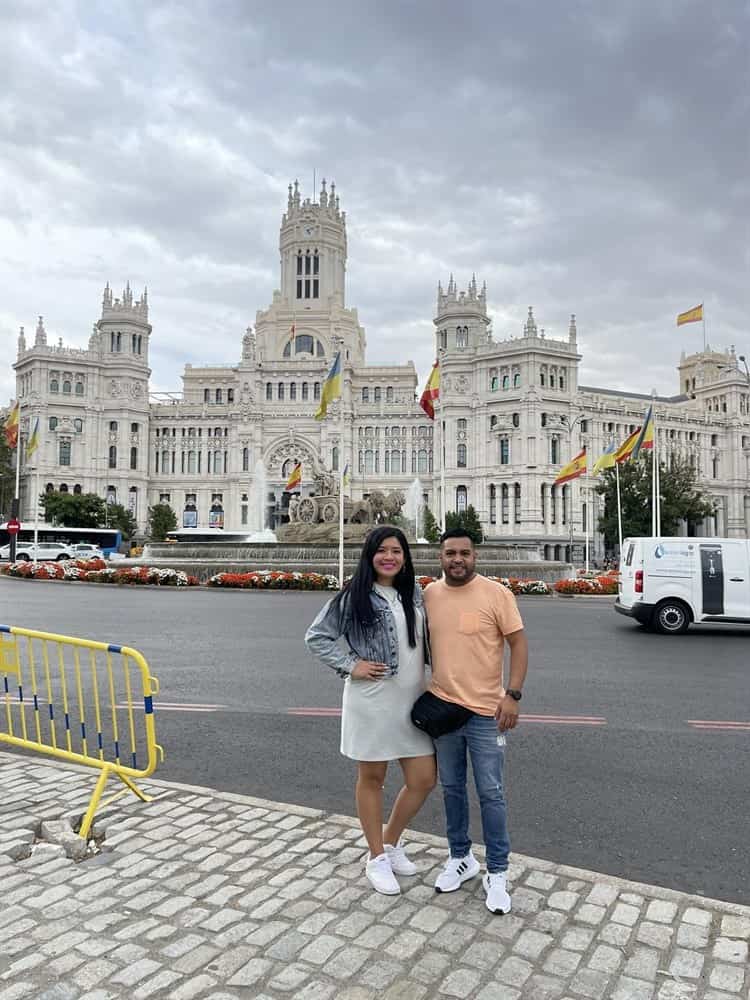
{"x":479,"y":737}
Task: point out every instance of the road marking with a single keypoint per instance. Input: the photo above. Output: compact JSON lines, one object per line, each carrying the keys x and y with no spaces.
{"x":173,"y":706}
{"x":718,"y":724}
{"x":553,"y":720}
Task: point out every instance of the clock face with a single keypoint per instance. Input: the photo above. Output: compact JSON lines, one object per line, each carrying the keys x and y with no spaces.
{"x":309,"y":230}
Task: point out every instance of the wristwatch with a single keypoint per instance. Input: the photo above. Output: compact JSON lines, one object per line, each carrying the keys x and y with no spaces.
{"x":513,"y":693}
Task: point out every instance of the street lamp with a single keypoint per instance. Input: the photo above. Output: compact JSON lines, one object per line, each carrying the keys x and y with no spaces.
{"x":566,"y":421}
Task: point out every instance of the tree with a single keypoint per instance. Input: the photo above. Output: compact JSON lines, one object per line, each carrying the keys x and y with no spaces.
{"x":430,"y":527}
{"x":161,"y":519}
{"x":122,"y":520}
{"x":73,"y":510}
{"x":468,"y":520}
{"x":681,"y":498}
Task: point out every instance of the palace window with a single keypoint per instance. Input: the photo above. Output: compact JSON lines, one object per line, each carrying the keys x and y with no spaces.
{"x":79,"y":388}
{"x":504,"y":451}
{"x":504,"y":504}
{"x":506,"y":381}
{"x":292,"y":390}
{"x":516,"y":419}
{"x":78,"y":425}
{"x":517,"y":503}
{"x":133,"y":458}
{"x":516,"y":380}
{"x":52,"y":423}
{"x":305,"y":392}
{"x":54,"y":385}
{"x":461,"y":456}
{"x":389,"y":394}
{"x":66,"y":388}
{"x":112,"y":457}
{"x":376,"y":394}
{"x":365,"y":394}
{"x":280,"y":390}
{"x":461,"y":499}
{"x":493,"y":504}
{"x":64,"y":452}
{"x":269,"y":390}
{"x":316,"y":391}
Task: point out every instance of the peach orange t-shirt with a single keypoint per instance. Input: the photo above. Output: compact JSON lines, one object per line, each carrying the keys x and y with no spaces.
{"x":467,"y":629}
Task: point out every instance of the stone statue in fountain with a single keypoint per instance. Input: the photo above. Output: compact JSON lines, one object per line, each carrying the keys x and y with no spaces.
{"x":315,"y":518}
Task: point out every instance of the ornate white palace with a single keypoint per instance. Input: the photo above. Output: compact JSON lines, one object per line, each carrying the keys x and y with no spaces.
{"x":513,"y":410}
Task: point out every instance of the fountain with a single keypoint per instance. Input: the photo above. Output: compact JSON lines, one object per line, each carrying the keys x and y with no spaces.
{"x":259,"y":530}
{"x":413,"y":506}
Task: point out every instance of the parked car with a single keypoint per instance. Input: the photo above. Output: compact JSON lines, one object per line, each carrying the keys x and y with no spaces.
{"x":83,"y":550}
{"x":670,"y":583}
{"x":45,"y":552}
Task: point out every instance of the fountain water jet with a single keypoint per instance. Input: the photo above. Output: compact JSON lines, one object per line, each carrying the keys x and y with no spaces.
{"x":259,"y":530}
{"x":413,"y":506}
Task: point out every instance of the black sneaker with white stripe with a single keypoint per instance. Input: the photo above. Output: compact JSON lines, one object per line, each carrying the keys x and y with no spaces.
{"x":455,"y":872}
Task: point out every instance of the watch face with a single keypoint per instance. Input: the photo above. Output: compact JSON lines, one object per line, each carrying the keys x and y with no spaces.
{"x":309,"y":230}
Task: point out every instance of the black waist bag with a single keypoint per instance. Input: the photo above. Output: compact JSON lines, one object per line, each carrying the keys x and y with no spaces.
{"x":437,"y":717}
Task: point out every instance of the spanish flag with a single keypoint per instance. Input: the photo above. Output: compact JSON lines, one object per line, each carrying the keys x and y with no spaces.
{"x":573,"y":469}
{"x":625,"y":450}
{"x":33,"y":442}
{"x":606,"y":460}
{"x":295,"y":479}
{"x":691,"y":316}
{"x":331,"y":387}
{"x":10,"y":427}
{"x":431,"y":391}
{"x":645,"y":438}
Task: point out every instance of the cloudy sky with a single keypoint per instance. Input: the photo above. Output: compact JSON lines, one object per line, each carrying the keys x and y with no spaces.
{"x":585,"y":157}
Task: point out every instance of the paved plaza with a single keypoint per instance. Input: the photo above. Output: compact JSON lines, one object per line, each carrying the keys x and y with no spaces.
{"x":205,"y":894}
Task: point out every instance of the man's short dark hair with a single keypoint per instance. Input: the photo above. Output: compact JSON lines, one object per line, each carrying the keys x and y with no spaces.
{"x":456,"y":533}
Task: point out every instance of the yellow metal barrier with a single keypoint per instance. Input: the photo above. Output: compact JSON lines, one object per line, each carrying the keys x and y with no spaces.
{"x":80,"y":695}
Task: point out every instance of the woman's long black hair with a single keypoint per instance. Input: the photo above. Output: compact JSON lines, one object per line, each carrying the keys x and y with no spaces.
{"x":359,"y":588}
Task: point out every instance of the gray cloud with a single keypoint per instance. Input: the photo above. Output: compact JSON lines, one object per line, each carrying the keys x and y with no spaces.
{"x":590,"y":159}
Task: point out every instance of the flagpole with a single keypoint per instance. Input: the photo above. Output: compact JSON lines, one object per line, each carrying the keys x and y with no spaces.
{"x":703,"y":320}
{"x":588,"y":520}
{"x":442,"y":444}
{"x":36,"y":507}
{"x":658,"y":477}
{"x":619,"y":511}
{"x":16,"y":500}
{"x":341,"y":476}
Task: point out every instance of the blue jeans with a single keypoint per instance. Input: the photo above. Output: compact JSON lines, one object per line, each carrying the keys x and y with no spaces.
{"x":479,"y":737}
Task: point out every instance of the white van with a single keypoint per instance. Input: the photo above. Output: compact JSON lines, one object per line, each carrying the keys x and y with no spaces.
{"x":670,"y":583}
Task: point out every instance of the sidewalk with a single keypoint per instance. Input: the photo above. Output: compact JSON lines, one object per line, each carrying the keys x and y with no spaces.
{"x":214,"y":895}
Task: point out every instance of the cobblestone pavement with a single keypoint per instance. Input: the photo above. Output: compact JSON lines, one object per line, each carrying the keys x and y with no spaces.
{"x":220,"y":896}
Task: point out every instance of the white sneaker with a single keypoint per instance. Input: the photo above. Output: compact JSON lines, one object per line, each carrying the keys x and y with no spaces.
{"x":400,"y":864}
{"x":455,"y":872}
{"x":380,"y":876}
{"x":495,"y":885}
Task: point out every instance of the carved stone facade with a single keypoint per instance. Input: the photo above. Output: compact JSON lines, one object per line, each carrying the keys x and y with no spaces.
{"x":507,"y":407}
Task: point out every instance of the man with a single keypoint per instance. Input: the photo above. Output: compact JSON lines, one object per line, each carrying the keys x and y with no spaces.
{"x":470,"y":619}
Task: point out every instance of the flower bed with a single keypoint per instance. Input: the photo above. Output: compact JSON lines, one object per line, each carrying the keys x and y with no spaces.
{"x":97,"y":571}
{"x":600,"y":585}
{"x":538,"y":587}
{"x":274,"y":580}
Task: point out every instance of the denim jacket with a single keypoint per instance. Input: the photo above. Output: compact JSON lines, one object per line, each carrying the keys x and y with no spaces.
{"x":339,"y":642}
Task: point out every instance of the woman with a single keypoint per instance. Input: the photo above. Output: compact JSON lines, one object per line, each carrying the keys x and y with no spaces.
{"x":372,"y":634}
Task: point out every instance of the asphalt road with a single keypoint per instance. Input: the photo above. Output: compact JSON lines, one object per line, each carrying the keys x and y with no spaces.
{"x":645,"y":796}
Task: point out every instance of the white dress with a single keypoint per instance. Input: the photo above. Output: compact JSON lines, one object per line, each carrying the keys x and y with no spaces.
{"x":375,"y":715}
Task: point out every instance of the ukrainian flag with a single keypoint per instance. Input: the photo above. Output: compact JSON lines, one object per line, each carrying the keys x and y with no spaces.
{"x":606,"y":460}
{"x":347,"y":475}
{"x":331,"y":387}
{"x":33,"y":442}
{"x":646,"y":436}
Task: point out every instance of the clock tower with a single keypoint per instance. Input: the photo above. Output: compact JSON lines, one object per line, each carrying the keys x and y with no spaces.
{"x":313,"y":250}
{"x":308,"y":317}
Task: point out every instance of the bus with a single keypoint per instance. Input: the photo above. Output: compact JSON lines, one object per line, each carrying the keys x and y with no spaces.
{"x":109,"y":540}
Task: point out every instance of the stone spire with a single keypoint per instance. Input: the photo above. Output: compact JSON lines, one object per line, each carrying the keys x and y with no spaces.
{"x":107,"y":297}
{"x":530,"y":329}
{"x":572,"y":331}
{"x":21,"y":341}
{"x":40,"y":339}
